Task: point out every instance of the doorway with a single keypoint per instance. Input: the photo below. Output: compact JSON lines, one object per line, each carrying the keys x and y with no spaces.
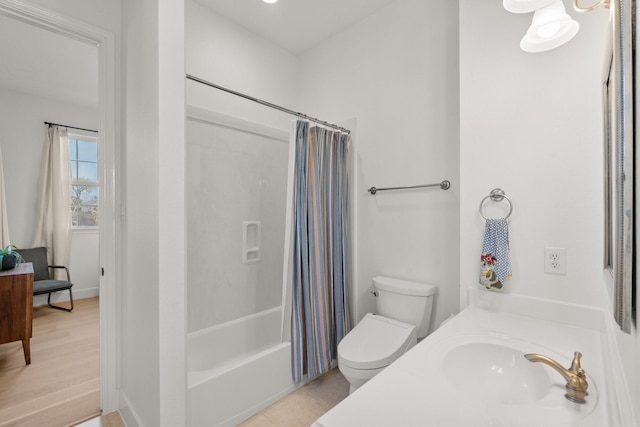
{"x":25,"y":17}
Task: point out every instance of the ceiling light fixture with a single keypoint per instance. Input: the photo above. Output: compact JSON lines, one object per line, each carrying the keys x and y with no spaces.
{"x":551,"y":26}
{"x":576,"y":5}
{"x":525,"y":6}
{"x":270,"y":1}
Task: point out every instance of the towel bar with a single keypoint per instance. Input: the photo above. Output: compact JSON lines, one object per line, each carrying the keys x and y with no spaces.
{"x":445,"y":185}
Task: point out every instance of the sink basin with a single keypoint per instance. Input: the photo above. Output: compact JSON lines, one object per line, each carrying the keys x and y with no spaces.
{"x":495,"y":373}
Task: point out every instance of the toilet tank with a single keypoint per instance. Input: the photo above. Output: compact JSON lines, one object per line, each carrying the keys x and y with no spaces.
{"x":409,"y":302}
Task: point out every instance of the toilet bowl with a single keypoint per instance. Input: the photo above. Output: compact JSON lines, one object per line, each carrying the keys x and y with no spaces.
{"x":404,"y":316}
{"x":371,"y":346}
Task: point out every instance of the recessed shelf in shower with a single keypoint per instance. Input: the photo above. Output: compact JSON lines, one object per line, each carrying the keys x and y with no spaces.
{"x":251,"y":241}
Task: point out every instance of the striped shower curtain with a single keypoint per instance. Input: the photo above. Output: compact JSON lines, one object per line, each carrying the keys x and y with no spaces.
{"x":320,"y":310}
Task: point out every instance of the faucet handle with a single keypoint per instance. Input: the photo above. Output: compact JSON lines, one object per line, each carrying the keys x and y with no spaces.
{"x":576,"y":365}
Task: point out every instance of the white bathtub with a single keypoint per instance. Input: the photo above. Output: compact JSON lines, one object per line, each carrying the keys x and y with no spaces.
{"x":236,"y":369}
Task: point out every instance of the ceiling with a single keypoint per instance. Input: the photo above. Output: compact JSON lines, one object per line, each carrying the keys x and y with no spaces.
{"x":295,"y":25}
{"x":43,"y":63}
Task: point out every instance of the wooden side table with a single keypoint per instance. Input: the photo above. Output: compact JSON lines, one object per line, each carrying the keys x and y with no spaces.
{"x":16,"y":306}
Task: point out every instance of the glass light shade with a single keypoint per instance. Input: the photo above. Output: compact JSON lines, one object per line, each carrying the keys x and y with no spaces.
{"x":550,"y":28}
{"x":270,"y":1}
{"x":525,"y":6}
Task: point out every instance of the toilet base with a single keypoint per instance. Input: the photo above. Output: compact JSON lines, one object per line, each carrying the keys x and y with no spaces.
{"x":358,"y":377}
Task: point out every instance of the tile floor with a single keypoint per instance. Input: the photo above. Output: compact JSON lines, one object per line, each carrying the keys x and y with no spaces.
{"x":298,"y":409}
{"x":305,"y":405}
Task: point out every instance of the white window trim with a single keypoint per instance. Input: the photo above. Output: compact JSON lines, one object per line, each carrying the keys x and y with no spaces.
{"x":94,"y":229}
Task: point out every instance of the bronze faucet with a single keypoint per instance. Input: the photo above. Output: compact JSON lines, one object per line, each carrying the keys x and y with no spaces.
{"x":575,"y":376}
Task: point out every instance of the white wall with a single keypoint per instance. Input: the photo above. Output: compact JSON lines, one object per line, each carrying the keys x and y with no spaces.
{"x":532,"y":125}
{"x":22,"y":118}
{"x":395,"y":73}
{"x":153,"y":370}
{"x":392,"y":73}
{"x":140,"y":294}
{"x":503,"y":143}
{"x":228,"y":55}
{"x":150,"y":314}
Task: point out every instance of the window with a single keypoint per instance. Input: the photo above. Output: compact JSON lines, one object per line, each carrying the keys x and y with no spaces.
{"x":83,"y":152}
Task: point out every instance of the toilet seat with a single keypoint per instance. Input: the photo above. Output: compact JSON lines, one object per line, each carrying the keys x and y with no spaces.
{"x":375,"y":342}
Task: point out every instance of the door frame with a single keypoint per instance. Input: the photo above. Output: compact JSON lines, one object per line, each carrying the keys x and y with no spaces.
{"x":109,"y":151}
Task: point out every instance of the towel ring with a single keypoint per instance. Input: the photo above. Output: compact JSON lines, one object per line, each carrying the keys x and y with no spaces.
{"x":496,"y":195}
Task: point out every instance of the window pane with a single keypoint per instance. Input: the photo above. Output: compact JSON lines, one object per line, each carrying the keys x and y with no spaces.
{"x":82,"y":195}
{"x":84,"y":191}
{"x":74,"y":171}
{"x":87,"y":151}
{"x":76,"y":198}
{"x":87,"y":172}
{"x":88,"y":216}
{"x":72,"y":149}
{"x":90,"y":196}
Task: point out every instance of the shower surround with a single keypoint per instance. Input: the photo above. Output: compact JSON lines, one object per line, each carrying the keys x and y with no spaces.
{"x":237,"y":348}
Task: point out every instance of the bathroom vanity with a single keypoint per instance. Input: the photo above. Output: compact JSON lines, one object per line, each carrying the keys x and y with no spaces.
{"x":472,"y":372}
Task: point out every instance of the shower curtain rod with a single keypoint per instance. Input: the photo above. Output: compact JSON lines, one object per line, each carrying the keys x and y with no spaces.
{"x":267,"y":104}
{"x":70,"y":127}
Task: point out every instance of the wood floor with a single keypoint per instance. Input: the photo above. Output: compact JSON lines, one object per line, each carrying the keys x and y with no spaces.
{"x":61,"y":385}
{"x":110,"y":420}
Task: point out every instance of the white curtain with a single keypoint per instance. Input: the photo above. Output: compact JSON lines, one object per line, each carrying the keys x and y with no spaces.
{"x":53,"y":221}
{"x":4,"y":225}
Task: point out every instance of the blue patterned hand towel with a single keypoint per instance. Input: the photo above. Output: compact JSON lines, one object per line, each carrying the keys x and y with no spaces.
{"x":495,"y":266}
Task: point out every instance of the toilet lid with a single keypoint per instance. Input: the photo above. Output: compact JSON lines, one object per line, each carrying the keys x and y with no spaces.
{"x":375,"y":342}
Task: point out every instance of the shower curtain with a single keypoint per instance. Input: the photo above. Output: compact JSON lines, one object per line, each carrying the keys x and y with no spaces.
{"x":320,"y":309}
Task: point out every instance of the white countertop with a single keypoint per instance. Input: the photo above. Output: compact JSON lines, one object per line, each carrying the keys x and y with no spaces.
{"x":414,"y":390}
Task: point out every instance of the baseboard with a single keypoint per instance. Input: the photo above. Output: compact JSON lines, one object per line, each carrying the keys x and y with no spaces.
{"x":128,"y":415}
{"x":64,"y":296}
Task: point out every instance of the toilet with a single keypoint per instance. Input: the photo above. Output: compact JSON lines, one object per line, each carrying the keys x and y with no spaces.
{"x":403,"y":317}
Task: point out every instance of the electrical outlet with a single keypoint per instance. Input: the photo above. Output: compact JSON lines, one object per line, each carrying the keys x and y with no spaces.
{"x":555,"y":261}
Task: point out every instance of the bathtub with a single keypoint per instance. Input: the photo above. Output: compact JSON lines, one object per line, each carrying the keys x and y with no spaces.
{"x":237,"y":369}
